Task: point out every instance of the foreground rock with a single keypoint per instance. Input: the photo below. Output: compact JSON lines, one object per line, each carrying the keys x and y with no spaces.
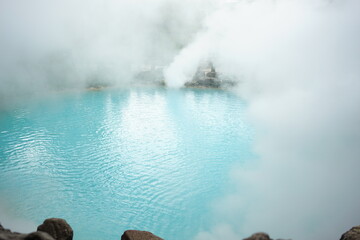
{"x":38,"y":236}
{"x":51,"y":229}
{"x":258,"y":236}
{"x":352,"y":234}
{"x":139,"y":235}
{"x":58,"y":228}
{"x":6,"y":234}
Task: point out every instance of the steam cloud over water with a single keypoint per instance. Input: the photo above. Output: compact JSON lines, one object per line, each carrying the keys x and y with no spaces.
{"x":297,"y":64}
{"x":298,"y":67}
{"x":47,"y":46}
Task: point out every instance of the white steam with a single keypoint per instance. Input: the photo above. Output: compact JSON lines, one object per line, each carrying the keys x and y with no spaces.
{"x":62,"y":44}
{"x":298,"y":66}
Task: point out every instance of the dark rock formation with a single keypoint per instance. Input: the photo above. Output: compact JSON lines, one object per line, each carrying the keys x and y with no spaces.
{"x":258,"y":236}
{"x":139,"y":235}
{"x":352,"y":234}
{"x":58,"y":228}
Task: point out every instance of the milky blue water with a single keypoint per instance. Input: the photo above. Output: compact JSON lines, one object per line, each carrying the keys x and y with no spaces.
{"x":152,"y":159}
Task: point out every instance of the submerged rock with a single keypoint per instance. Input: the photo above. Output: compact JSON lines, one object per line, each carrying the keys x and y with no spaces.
{"x":58,"y":228}
{"x":139,"y":235}
{"x":352,"y":234}
{"x":258,"y":236}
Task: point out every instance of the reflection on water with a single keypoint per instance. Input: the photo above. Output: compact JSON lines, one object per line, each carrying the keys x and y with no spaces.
{"x":150,"y":159}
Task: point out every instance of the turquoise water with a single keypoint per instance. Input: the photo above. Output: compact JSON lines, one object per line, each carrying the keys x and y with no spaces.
{"x":152,"y":159}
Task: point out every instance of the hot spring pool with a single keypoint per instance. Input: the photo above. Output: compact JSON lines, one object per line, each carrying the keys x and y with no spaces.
{"x":151,"y":159}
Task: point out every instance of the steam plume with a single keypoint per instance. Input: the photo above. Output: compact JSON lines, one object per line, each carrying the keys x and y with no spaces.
{"x":50,"y":46}
{"x":297,"y":66}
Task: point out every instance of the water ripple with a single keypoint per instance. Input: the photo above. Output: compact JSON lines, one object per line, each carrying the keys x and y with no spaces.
{"x":150,"y":159}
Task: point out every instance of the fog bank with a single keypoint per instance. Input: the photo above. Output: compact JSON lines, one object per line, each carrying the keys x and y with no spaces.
{"x":297,"y":63}
{"x":50,"y":46}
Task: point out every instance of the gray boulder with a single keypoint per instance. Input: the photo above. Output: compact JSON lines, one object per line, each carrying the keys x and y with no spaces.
{"x":139,"y":235}
{"x":58,"y":228}
{"x":352,"y":234}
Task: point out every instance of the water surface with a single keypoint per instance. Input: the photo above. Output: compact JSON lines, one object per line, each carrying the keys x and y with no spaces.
{"x":150,"y":159}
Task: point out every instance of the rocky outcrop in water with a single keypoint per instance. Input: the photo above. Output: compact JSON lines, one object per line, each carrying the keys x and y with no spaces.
{"x":139,"y":235}
{"x":207,"y":77}
{"x":352,"y":234}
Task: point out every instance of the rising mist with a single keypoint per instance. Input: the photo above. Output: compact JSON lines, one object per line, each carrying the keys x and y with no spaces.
{"x":51,"y":46}
{"x":297,"y":64}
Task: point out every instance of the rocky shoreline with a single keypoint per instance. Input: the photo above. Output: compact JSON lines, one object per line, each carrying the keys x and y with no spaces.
{"x":59,"y":229}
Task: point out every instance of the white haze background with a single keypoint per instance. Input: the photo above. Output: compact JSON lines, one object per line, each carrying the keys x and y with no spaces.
{"x":298,"y":67}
